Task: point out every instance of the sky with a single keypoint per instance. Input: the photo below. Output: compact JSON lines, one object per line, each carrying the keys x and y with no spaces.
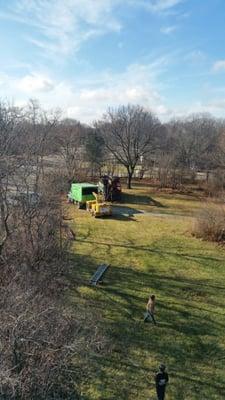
{"x":84,"y":56}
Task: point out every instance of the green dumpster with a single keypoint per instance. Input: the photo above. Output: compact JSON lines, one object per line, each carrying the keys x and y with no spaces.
{"x":80,"y":193}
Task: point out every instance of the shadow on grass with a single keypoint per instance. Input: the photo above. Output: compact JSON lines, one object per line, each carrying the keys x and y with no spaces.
{"x":124,"y":213}
{"x":186,"y":337}
{"x":140,"y":200}
{"x":152,"y":249}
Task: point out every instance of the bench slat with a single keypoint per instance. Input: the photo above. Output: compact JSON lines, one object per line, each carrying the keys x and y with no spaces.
{"x":99,"y":273}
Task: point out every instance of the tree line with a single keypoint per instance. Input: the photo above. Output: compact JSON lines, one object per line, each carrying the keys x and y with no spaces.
{"x":132,"y":136}
{"x":129,"y":136}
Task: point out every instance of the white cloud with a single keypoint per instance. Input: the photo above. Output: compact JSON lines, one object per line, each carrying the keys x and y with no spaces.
{"x":195,"y":56}
{"x":215,"y":107}
{"x":162,"y":5}
{"x":219,"y":66}
{"x":136,"y":85}
{"x":89,"y":98}
{"x":167,"y":30}
{"x":62,"y":26}
{"x":35,"y":83}
{"x":165,"y":4}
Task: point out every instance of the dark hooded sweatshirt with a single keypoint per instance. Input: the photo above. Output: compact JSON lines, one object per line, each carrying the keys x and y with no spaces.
{"x":161,"y":380}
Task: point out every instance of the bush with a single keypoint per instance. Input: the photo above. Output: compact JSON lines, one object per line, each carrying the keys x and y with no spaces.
{"x":215,"y":185}
{"x":210,"y":224}
{"x":45,"y":347}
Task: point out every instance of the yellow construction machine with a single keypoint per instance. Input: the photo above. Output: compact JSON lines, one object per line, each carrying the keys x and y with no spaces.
{"x":98,"y":207}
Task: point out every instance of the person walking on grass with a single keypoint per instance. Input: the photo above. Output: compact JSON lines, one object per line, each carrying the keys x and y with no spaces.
{"x":161,"y":380}
{"x":150,"y":309}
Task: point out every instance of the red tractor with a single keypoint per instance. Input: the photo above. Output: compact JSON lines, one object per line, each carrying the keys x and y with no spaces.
{"x":111,"y":188}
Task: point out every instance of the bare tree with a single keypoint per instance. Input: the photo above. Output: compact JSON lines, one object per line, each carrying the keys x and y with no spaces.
{"x":129,"y":132}
{"x":70,"y":138}
{"x":219,"y":148}
{"x":94,"y":150}
{"x":10,"y":132}
{"x":39,"y":129}
{"x":195,"y":139}
{"x":193,"y":143}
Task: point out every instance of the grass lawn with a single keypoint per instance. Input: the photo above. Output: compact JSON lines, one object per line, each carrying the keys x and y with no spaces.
{"x":153,"y":254}
{"x":165,"y":202}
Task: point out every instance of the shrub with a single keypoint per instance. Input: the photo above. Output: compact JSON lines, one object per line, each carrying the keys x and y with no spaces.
{"x":45,"y":347}
{"x":215,"y":185}
{"x":210,"y":224}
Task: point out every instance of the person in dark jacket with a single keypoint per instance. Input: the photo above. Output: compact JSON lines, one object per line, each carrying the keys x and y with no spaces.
{"x":161,"y":380}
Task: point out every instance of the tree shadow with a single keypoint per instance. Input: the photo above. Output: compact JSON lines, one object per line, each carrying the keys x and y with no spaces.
{"x":124,"y":213}
{"x":140,"y":200}
{"x":152,"y":249}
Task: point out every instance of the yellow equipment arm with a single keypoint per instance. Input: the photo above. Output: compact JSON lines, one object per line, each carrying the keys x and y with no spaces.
{"x":98,"y":197}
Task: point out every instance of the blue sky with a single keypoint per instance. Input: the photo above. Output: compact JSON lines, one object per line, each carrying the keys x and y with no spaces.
{"x":86,"y":55}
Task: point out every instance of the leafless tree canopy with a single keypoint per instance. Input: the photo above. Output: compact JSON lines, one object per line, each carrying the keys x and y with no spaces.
{"x":195,"y":140}
{"x":129,"y":134}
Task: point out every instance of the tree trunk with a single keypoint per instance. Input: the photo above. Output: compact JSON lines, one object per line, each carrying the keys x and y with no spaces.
{"x":129,"y":178}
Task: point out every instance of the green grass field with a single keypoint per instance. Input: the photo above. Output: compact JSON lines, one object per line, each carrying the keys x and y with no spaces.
{"x":153,"y":253}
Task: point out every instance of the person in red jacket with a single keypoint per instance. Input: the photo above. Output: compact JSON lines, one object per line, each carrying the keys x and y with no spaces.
{"x":161,"y":380}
